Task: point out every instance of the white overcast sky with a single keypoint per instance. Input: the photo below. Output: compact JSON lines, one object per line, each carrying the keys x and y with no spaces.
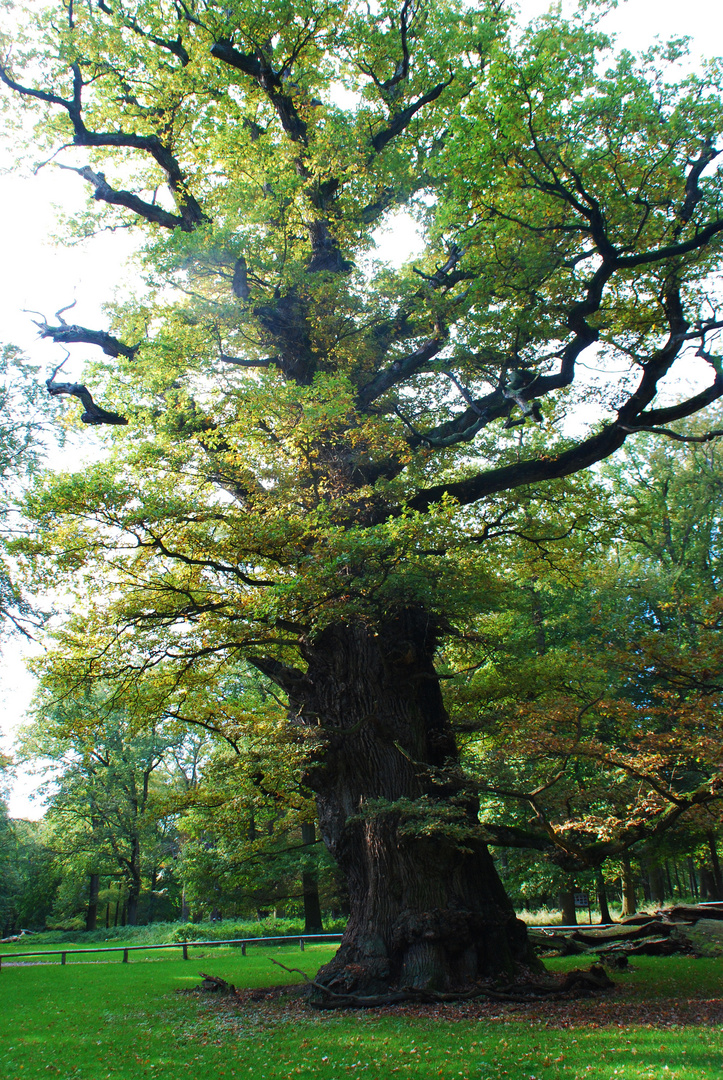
{"x":36,"y":273}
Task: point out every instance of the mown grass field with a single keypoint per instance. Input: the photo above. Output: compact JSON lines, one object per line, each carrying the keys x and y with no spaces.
{"x":99,"y":1018}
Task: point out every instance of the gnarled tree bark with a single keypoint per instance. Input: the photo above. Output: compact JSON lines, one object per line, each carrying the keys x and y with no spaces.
{"x":428,"y":910}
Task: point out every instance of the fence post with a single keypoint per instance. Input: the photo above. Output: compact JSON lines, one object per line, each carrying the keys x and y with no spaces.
{"x":125,"y":956}
{"x":301,"y":943}
{"x":243,"y":948}
{"x":185,"y":951}
{"x":62,"y":957}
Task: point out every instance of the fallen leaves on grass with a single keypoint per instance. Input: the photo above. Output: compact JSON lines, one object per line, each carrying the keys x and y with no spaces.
{"x":288,"y":1004}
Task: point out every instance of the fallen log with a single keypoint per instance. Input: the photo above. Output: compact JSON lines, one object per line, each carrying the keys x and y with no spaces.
{"x":578,"y":942}
{"x":693,"y":912}
{"x":659,"y":946}
{"x":695,"y":929}
{"x":637,"y":920}
{"x":651,"y":928}
{"x":564,"y":944}
{"x":704,"y":937}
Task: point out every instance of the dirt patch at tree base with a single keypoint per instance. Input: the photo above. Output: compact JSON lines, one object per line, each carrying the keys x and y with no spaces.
{"x":616,"y":1008}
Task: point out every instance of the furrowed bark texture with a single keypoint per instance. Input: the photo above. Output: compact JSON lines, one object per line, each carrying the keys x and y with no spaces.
{"x":428,"y":910}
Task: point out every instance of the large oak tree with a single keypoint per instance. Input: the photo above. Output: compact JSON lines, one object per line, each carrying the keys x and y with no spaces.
{"x":318,"y":444}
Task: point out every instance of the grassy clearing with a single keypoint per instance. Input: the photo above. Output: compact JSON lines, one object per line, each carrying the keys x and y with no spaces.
{"x":91,"y":1021}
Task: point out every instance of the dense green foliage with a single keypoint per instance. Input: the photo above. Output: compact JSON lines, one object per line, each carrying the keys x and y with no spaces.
{"x":25,"y":413}
{"x":563,"y":203}
{"x":604,"y":673}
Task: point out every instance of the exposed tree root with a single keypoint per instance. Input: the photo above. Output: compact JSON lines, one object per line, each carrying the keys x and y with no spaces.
{"x":574,"y":984}
{"x":212,"y":984}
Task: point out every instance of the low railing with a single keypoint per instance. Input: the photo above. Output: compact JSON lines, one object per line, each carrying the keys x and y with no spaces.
{"x":184,"y":945}
{"x":243,"y":942}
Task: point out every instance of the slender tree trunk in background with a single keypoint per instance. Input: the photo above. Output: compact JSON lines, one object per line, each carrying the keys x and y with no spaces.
{"x":692,"y":877}
{"x":628,"y":897}
{"x":705,"y":878}
{"x":130,"y":908}
{"x":107,"y":915}
{"x":678,"y":882}
{"x":91,"y":918}
{"x":602,"y":896}
{"x":645,"y":883}
{"x":185,"y":909}
{"x":310,"y":888}
{"x":567,"y":904}
{"x":671,"y":891}
{"x":135,"y":883}
{"x":715,"y":863}
{"x":427,"y":906}
{"x":152,"y":898}
{"x":657,"y":882}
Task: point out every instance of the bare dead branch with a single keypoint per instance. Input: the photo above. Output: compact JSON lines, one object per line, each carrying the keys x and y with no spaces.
{"x":93,"y":414}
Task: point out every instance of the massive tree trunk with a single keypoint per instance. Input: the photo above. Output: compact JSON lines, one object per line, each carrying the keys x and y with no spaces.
{"x":427,"y":907}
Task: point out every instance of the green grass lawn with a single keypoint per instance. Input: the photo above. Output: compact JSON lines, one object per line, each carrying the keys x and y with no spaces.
{"x":92,"y":1020}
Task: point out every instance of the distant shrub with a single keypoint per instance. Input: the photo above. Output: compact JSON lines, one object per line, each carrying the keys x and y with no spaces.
{"x":161,"y":932}
{"x":228,"y":929}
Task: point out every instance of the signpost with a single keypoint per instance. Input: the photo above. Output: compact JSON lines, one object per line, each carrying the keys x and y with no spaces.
{"x":582,"y":900}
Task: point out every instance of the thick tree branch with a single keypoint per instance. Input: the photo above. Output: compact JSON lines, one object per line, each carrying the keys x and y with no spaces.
{"x":693,"y":194}
{"x":389,"y":88}
{"x":105,"y":193}
{"x":288,"y":678}
{"x":575,"y":458}
{"x":400,"y":370}
{"x":402,"y":119}
{"x":191,"y":214}
{"x":239,"y":362}
{"x":708,"y":437}
{"x":93,"y":413}
{"x":172,"y":45}
{"x":260,"y":70}
{"x":702,"y":238}
{"x":67,"y":334}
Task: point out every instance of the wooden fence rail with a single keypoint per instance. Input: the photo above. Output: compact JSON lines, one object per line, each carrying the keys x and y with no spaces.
{"x":184,"y":945}
{"x":243,"y":942}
